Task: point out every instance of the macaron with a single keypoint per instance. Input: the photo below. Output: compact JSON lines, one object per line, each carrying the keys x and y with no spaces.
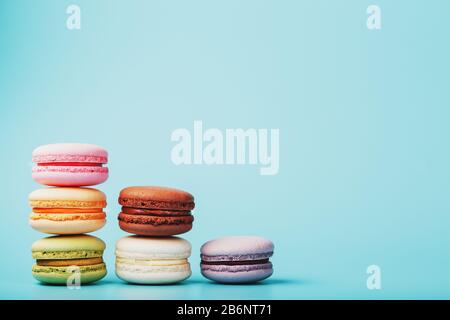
{"x":238,"y":259}
{"x":67,"y":210}
{"x":70,"y":165}
{"x":145,"y":260}
{"x":59,"y":257}
{"x":155,"y":211}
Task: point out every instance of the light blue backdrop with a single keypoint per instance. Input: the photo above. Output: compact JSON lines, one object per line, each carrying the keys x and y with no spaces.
{"x":364,"y":133}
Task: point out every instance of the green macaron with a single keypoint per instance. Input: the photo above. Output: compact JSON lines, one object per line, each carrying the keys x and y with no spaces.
{"x":65,"y":259}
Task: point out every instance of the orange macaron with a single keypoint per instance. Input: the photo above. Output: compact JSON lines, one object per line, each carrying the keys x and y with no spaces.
{"x":67,"y":210}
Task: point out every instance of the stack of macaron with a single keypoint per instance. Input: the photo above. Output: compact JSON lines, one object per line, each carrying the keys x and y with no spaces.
{"x":68,"y":209}
{"x":154,"y":215}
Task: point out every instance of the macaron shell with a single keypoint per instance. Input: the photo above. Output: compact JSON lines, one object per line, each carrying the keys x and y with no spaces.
{"x":237,"y":246}
{"x":67,"y":198}
{"x":152,"y":231}
{"x":234,"y":276}
{"x":137,"y":247}
{"x":156,"y":193}
{"x":152,"y":197}
{"x":68,"y":247}
{"x":70,"y":176}
{"x":140,"y":274}
{"x":60,"y":275}
{"x":66,"y":227}
{"x":155,"y":226}
{"x":70,"y":152}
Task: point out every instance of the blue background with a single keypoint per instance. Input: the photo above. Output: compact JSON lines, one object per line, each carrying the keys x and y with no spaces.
{"x":364,"y":134}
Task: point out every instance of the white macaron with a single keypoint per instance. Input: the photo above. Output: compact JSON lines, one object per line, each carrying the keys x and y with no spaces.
{"x":145,"y":260}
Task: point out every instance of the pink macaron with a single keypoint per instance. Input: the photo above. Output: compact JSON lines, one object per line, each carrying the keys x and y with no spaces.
{"x":70,"y":165}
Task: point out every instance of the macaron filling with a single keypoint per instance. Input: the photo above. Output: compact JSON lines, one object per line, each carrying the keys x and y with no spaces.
{"x":155,"y":220}
{"x":70,"y":164}
{"x":156,"y":204}
{"x":241,"y":257}
{"x":236,"y":262}
{"x":155,"y":212}
{"x":155,"y":217}
{"x":69,"y":262}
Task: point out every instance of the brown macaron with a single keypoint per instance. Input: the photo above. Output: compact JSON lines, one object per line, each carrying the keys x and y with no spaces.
{"x":155,"y":211}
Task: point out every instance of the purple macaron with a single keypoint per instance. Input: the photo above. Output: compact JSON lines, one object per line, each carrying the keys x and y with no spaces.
{"x":238,"y":259}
